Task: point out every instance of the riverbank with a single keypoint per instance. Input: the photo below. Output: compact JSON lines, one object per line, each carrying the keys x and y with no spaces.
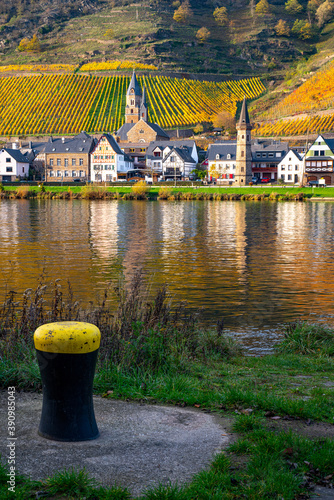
{"x":279,"y":409}
{"x":169,"y":193}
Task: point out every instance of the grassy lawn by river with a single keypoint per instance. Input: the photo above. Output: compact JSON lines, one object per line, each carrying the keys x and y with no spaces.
{"x":278,"y":408}
{"x":279,"y":193}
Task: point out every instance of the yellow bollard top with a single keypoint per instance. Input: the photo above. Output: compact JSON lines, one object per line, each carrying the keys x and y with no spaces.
{"x":67,"y":337}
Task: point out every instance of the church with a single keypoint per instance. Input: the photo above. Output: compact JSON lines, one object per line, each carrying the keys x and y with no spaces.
{"x":137,"y":128}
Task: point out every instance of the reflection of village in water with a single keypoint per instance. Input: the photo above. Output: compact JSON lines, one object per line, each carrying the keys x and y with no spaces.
{"x":257,"y":265}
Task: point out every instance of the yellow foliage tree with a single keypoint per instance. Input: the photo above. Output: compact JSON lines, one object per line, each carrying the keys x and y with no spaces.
{"x":183,"y":13}
{"x":282,"y":28}
{"x":32,"y":45}
{"x":225,"y":121}
{"x":220,"y":15}
{"x":203,"y":34}
{"x":262,"y":8}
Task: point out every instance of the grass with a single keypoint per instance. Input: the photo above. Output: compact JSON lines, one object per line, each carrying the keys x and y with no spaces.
{"x":217,"y":193}
{"x":153,"y":351}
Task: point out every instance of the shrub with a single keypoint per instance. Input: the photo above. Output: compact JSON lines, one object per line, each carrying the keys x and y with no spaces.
{"x":164,"y":193}
{"x":140,"y":190}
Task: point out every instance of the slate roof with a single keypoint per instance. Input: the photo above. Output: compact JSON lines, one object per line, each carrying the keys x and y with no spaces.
{"x":164,"y":144}
{"x":269,"y":146}
{"x":183,"y":153}
{"x":126,"y":127}
{"x":330,"y":143}
{"x":112,"y":143}
{"x":244,"y":116}
{"x":222,"y":149}
{"x":81,"y":143}
{"x":134,"y":85}
{"x":16,"y":154}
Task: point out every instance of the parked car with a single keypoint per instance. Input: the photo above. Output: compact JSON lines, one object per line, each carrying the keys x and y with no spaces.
{"x":255,"y":180}
{"x":266,"y":180}
{"x":313,"y":183}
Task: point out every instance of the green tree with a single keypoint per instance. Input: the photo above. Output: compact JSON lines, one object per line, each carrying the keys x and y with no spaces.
{"x":262,"y":8}
{"x":306,"y":32}
{"x":203,"y":34}
{"x":324,"y":13}
{"x":282,"y":28}
{"x":220,"y":15}
{"x":293,"y":7}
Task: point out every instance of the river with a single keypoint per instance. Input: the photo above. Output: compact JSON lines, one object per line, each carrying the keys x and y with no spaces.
{"x":258,"y":265}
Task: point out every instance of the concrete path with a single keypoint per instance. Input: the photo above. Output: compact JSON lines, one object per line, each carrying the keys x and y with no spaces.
{"x":139,"y":446}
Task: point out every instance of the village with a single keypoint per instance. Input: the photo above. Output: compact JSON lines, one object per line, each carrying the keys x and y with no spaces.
{"x":141,"y":150}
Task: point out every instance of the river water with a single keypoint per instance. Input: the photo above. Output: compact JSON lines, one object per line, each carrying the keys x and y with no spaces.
{"x":258,"y":265}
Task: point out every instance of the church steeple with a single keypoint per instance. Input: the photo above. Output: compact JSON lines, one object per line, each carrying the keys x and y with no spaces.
{"x":143,"y":106}
{"x":243,"y":168}
{"x":133,"y":101}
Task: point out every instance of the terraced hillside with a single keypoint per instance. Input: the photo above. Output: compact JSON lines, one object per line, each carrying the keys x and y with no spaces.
{"x":69,"y":103}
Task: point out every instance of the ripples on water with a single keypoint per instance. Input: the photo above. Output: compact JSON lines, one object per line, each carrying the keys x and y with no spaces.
{"x":256,"y":264}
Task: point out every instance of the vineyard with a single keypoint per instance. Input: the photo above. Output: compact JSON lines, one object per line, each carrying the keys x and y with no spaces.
{"x":69,"y":103}
{"x":301,"y":126}
{"x":316,"y":93}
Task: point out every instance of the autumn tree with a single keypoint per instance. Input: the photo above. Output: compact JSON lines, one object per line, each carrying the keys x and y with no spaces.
{"x":302,"y":29}
{"x":312,"y":6}
{"x":198,"y":129}
{"x":262,"y":8}
{"x":225,"y":121}
{"x":324,"y":13}
{"x":203,"y":34}
{"x":282,"y":28}
{"x":293,"y":7}
{"x":32,"y":45}
{"x":220,"y":15}
{"x":183,"y":13}
{"x":109,"y":34}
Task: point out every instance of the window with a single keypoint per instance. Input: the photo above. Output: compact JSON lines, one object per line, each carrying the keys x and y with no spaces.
{"x":82,"y":173}
{"x":289,"y":167}
{"x":131,"y":110}
{"x":278,"y":155}
{"x":172,"y":159}
{"x":132,"y":102}
{"x":270,"y":155}
{"x":242,"y":136}
{"x":51,"y":173}
{"x":296,"y":167}
{"x":23,"y":169}
{"x":242,"y":169}
{"x":100,"y":148}
{"x":217,"y":157}
{"x":258,"y":155}
{"x":51,"y":162}
{"x":316,"y":153}
{"x":283,"y":177}
{"x":8,"y":160}
{"x":66,"y":173}
{"x":142,"y":150}
{"x":58,"y":162}
{"x":324,"y":163}
{"x":242,"y":154}
{"x":289,"y":177}
{"x":322,"y":153}
{"x":74,"y":162}
{"x":283,"y":167}
{"x":157,"y":153}
{"x":58,"y":173}
{"x":132,"y":150}
{"x":74,"y":173}
{"x":228,"y":156}
{"x":9,"y":169}
{"x":80,"y":161}
{"x":264,"y":155}
{"x":66,"y":162}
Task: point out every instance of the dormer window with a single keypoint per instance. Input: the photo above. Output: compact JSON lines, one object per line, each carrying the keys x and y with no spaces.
{"x":67,"y":149}
{"x":217,"y":157}
{"x":228,"y":156}
{"x":53,"y":149}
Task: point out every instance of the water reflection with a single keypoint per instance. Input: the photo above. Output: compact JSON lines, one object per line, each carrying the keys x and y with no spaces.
{"x":255,"y":264}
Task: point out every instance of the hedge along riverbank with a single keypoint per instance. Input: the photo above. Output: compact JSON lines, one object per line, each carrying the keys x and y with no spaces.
{"x":144,"y":192}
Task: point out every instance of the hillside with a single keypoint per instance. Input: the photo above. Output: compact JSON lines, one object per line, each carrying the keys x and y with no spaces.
{"x":80,"y":31}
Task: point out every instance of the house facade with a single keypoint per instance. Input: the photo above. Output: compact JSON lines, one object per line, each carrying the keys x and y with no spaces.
{"x":108,"y":162}
{"x":68,"y":159}
{"x":266,"y":155}
{"x":222,"y":161}
{"x":13,"y":165}
{"x":291,"y":168}
{"x":177,"y":163}
{"x":319,"y":160}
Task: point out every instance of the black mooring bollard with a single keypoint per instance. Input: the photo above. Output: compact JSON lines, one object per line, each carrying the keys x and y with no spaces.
{"x":67,"y":354}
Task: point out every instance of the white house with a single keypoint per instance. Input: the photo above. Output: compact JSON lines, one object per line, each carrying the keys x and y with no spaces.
{"x":222,"y":161}
{"x":177,"y":163}
{"x":319,"y":160}
{"x":13,"y":165}
{"x":108,"y":161}
{"x":159,"y":151}
{"x":291,"y":168}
